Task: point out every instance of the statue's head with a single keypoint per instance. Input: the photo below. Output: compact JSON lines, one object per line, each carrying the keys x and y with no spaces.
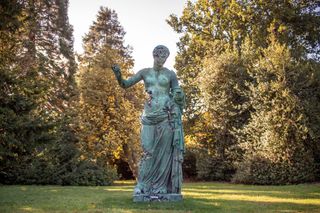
{"x":160,"y":55}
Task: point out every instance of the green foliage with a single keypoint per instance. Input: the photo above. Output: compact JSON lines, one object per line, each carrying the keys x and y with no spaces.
{"x":295,"y":23}
{"x":246,"y":94}
{"x":21,"y":129}
{"x":38,"y":144}
{"x":222,"y":85}
{"x":277,"y":141}
{"x":90,"y":174}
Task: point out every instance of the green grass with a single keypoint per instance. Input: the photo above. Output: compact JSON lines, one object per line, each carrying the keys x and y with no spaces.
{"x":198,"y":197}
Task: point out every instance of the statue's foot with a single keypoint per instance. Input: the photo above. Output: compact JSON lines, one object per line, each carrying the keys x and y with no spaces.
{"x":136,"y":191}
{"x":161,"y":190}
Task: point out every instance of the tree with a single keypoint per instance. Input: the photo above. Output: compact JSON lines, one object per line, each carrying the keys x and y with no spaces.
{"x":37,"y":84}
{"x":295,"y":23}
{"x":220,"y":42}
{"x":222,"y":83}
{"x":278,"y":141}
{"x":108,"y":114}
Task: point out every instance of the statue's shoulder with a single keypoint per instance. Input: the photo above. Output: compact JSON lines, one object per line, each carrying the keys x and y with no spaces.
{"x":171,"y":73}
{"x":144,"y":71}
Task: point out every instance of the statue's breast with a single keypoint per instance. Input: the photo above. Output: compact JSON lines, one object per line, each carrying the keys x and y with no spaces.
{"x":163,"y":80}
{"x":157,"y":79}
{"x":157,"y":85}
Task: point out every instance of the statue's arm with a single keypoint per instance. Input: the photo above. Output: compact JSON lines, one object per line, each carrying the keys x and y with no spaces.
{"x":174,"y":81}
{"x":129,"y":82}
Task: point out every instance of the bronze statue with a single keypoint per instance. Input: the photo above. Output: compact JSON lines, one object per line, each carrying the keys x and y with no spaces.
{"x":160,"y":170}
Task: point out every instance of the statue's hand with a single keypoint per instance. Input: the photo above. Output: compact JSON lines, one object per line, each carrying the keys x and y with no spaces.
{"x":178,"y":95}
{"x":116,"y":69}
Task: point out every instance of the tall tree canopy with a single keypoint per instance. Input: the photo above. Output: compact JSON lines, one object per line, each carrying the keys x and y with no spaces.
{"x":222,"y":43}
{"x":109,"y":115}
{"x":295,"y":23}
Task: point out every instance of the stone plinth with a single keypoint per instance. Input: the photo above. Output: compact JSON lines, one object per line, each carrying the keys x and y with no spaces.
{"x":157,"y":197}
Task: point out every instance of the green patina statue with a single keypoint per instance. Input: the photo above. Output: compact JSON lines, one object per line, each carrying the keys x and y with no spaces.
{"x":160,"y":170}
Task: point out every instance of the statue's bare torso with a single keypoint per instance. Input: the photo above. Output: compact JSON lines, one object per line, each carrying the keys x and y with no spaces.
{"x":158,"y":85}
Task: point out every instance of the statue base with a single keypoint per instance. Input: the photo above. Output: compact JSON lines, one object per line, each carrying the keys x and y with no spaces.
{"x":156,"y":197}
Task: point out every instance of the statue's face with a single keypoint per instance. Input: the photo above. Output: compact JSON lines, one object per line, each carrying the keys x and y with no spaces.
{"x":160,"y":55}
{"x":160,"y":60}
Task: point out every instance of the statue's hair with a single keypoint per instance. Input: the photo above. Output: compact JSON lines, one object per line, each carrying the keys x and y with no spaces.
{"x":161,"y":49}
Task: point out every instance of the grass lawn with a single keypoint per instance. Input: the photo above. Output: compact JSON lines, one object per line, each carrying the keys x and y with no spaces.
{"x":198,"y":197}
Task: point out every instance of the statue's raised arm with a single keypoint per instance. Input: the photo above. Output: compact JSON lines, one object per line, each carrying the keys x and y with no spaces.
{"x":125,"y":83}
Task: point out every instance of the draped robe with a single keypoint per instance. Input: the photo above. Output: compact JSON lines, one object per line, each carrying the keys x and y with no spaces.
{"x":160,"y":168}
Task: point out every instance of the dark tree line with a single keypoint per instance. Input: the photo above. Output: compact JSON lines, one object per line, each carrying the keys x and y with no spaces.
{"x":39,"y":140}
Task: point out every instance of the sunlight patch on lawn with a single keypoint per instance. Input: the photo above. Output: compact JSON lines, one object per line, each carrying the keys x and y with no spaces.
{"x":263,"y":198}
{"x":28,"y":209}
{"x":209,"y":191}
{"x":119,"y":189}
{"x":208,"y":201}
{"x":23,"y":188}
{"x":124,"y":182}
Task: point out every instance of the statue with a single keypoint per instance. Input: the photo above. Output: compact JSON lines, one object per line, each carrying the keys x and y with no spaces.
{"x":160,"y":169}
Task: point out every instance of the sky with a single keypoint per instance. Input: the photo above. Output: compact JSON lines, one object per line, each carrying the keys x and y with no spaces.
{"x":143,"y":20}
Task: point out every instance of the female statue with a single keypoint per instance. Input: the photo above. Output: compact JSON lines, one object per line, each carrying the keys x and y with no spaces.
{"x":160,"y":169}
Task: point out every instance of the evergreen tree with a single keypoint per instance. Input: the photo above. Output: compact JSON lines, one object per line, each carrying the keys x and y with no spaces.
{"x":109,"y":123}
{"x":22,"y":88}
{"x":37,"y":66}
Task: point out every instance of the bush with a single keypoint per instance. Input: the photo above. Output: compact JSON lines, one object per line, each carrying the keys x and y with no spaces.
{"x":214,"y":168}
{"x":89,"y":174}
{"x":73,"y":172}
{"x":260,"y":170}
